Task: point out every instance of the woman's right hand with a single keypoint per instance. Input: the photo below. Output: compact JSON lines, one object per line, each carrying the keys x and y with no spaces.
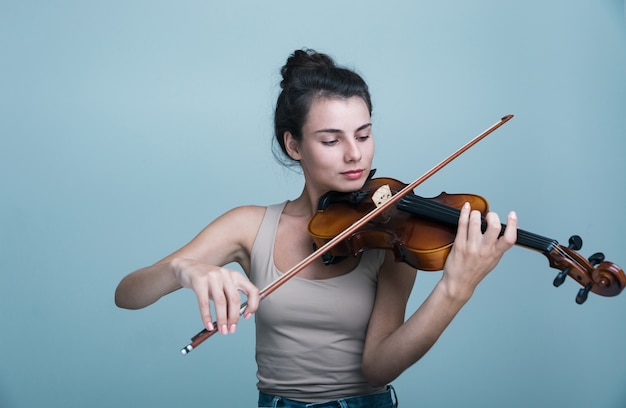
{"x":223,"y":287}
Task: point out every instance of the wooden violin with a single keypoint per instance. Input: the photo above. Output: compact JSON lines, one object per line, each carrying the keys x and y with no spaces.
{"x":421,"y":231}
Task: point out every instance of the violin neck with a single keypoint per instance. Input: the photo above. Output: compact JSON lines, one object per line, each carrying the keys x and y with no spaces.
{"x":442,"y":213}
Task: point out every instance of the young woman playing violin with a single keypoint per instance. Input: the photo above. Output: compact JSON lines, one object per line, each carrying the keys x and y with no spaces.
{"x":335,"y":333}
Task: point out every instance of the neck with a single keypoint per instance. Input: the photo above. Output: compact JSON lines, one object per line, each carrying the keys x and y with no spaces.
{"x":305,"y":205}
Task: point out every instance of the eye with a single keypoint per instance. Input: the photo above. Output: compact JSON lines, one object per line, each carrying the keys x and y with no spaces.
{"x":362,"y":138}
{"x":329,"y":142}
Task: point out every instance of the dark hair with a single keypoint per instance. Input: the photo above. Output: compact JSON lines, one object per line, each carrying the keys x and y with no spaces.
{"x":308,"y":75}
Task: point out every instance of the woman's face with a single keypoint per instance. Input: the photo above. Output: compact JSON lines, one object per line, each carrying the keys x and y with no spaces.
{"x":337,"y":146}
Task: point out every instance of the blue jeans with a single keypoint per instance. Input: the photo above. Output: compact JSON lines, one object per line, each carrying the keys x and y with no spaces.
{"x":386,"y":399}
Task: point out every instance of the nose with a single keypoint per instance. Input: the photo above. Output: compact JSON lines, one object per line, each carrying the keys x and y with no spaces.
{"x":352,"y":152}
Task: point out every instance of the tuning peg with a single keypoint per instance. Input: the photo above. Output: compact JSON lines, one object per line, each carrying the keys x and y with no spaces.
{"x":582,"y":294}
{"x":575,"y":242}
{"x":596,"y":258}
{"x":560,"y":278}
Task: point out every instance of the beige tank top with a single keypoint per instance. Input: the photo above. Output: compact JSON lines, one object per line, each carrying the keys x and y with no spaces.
{"x":310,"y":333}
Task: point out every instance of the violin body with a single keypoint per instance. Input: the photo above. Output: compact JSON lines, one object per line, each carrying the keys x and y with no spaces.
{"x":420,"y":242}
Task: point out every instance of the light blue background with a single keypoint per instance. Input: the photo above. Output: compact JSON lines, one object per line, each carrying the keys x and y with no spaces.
{"x":126,"y":126}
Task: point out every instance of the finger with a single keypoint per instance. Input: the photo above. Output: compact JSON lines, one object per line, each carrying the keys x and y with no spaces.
{"x":509,"y":238}
{"x":253,"y":297}
{"x":474,"y":228}
{"x":220,"y":304}
{"x":205,"y":308}
{"x":494,"y":227}
{"x":233,"y":300}
{"x":461,"y":233}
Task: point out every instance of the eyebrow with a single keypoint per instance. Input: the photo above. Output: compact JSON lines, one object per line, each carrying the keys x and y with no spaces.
{"x":363,"y":127}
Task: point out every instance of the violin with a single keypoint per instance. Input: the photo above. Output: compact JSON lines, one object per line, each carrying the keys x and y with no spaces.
{"x":420,"y":232}
{"x":386,"y":213}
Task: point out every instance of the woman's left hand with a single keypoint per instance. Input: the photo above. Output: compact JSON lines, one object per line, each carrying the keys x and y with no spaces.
{"x":474,"y":253}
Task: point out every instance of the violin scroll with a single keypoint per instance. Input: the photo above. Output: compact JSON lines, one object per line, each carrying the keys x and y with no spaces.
{"x":593,"y":274}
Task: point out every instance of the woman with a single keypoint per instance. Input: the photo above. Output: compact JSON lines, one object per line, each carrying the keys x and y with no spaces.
{"x":335,"y":333}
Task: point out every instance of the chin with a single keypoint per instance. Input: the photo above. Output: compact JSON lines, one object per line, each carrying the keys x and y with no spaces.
{"x":352,"y":185}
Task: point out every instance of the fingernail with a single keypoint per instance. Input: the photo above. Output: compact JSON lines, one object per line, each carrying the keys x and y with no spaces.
{"x":210,"y":326}
{"x":224,"y":329}
{"x":247,"y":316}
{"x":233,"y":327}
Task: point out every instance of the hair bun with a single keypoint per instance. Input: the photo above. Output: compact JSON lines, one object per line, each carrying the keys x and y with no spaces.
{"x":302,"y":60}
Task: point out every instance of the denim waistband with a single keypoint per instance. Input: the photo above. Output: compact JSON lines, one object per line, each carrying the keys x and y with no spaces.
{"x":385,"y":399}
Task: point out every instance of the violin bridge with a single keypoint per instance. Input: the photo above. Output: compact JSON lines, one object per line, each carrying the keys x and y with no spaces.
{"x":381,"y":195}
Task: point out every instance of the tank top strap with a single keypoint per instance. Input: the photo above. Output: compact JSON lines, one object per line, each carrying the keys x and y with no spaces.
{"x":262,"y":253}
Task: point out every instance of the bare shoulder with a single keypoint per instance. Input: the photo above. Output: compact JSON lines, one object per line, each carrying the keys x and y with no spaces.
{"x":228,"y":238}
{"x":238,"y":226}
{"x":248,"y":212}
{"x":245,"y":220}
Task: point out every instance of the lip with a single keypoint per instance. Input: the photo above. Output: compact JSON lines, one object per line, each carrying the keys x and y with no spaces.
{"x":353,"y":174}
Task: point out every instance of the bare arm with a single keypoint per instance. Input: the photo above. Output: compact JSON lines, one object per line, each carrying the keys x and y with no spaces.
{"x":145,"y":286}
{"x":199,"y":266}
{"x":393,"y":345}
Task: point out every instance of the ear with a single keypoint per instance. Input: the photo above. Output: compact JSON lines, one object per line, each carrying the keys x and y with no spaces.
{"x":292,"y":146}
